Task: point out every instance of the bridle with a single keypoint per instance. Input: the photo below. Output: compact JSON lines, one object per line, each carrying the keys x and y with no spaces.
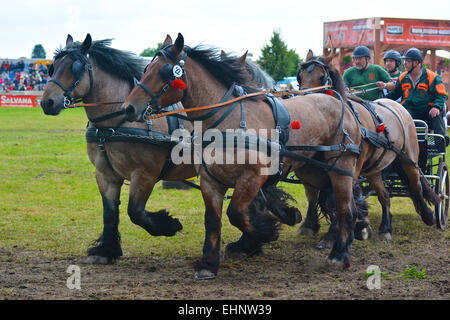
{"x":168,"y":73}
{"x":309,"y":66}
{"x":78,"y":69}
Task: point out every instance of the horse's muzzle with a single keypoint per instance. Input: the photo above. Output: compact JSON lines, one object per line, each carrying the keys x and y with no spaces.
{"x":50,"y":107}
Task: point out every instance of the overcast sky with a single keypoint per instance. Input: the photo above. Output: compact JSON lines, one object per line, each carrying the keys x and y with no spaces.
{"x":232,"y":25}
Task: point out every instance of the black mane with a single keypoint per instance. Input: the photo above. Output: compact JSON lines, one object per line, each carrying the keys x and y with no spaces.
{"x":122,"y":64}
{"x":227,"y":69}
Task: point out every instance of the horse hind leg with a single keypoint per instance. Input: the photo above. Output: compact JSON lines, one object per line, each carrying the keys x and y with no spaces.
{"x":376,"y":183}
{"x":311,"y":225}
{"x":363,"y":230}
{"x":419,"y":191}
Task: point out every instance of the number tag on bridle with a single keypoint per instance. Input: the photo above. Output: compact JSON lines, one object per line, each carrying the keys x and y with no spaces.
{"x":177,"y":71}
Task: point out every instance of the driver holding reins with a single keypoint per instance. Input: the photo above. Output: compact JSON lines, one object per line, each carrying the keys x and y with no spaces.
{"x":366,"y":76}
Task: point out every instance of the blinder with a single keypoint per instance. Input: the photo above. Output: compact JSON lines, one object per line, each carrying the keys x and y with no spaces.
{"x":51,"y":69}
{"x":78,"y":69}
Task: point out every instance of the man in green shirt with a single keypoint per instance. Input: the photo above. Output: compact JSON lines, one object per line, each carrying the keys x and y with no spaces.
{"x":365,"y":79}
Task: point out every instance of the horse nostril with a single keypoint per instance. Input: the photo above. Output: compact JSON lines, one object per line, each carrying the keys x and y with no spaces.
{"x":130,"y":111}
{"x":48,"y":103}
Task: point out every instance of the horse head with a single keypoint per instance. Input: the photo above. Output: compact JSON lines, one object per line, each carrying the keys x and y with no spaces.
{"x":163,"y":82}
{"x":67,"y":71}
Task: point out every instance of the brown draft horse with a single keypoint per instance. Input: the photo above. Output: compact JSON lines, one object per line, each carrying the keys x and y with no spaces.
{"x":94,"y":72}
{"x":324,"y":121}
{"x":138,"y":159}
{"x":317,"y":71}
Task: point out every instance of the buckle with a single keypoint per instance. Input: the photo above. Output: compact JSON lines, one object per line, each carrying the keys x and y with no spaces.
{"x":243,"y":124}
{"x":67,"y":102}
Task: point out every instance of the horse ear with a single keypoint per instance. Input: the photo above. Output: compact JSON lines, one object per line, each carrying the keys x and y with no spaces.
{"x":223,"y":55}
{"x":327,"y":59}
{"x":179,"y":44}
{"x":87,"y":43}
{"x":69,"y":40}
{"x":243,"y":58}
{"x":310,"y":55}
{"x":167,"y":41}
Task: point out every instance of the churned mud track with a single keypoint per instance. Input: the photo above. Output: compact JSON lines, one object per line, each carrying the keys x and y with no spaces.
{"x":290,"y":269}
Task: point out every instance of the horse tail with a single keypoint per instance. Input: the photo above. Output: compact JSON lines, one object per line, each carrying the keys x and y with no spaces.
{"x":277,"y":201}
{"x":428,"y":192}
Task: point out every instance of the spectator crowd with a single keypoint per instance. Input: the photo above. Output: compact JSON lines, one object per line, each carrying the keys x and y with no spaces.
{"x":22,"y":76}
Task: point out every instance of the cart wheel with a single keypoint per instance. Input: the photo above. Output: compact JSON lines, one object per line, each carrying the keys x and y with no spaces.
{"x":442,"y":188}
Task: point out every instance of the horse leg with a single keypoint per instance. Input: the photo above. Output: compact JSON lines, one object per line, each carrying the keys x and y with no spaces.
{"x":420,"y":190}
{"x":108,"y":248}
{"x":212,"y":193}
{"x":258,"y":225}
{"x":155,"y":223}
{"x":311,"y":225}
{"x":270,"y":198}
{"x":363,"y":230}
{"x":346,"y":217}
{"x":376,"y":183}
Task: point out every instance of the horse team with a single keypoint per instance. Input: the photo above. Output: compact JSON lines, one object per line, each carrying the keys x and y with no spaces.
{"x":323,"y":138}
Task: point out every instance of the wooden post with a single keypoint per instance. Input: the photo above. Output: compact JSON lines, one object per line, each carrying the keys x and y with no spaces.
{"x":433,"y":60}
{"x":377,"y":45}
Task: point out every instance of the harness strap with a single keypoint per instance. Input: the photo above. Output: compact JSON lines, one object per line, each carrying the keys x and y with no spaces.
{"x":108,"y":116}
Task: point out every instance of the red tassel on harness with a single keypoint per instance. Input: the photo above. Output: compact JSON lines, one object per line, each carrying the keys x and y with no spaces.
{"x":178,"y":84}
{"x":381,"y":127}
{"x":295,"y":125}
{"x":329,"y":92}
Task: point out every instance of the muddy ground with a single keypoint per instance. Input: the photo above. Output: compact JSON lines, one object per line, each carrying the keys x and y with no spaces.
{"x":290,"y":269}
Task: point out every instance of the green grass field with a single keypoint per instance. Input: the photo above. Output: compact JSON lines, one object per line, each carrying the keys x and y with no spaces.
{"x":50,"y":202}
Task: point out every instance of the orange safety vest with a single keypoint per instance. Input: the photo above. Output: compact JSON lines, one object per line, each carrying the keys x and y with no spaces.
{"x":440,"y":88}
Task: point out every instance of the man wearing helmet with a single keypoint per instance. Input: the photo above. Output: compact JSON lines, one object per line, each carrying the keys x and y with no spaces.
{"x":392,"y":61}
{"x":363,"y":74}
{"x":422,"y":91}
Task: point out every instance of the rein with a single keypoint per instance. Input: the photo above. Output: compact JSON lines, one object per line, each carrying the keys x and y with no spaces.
{"x":217,"y":105}
{"x":96,"y":104}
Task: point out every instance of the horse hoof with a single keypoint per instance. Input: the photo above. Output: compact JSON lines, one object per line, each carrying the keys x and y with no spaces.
{"x":365,"y":234}
{"x":305,"y":231}
{"x":97,"y":260}
{"x":385,"y":237}
{"x":204,"y":275}
{"x":325,"y":244}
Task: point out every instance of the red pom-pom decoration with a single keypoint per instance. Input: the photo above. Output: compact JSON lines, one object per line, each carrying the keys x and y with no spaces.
{"x":178,"y":84}
{"x":329,"y":92}
{"x":381,"y":127}
{"x":295,"y":125}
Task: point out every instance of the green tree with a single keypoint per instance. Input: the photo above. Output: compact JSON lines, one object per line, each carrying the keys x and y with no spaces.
{"x":277,"y":59}
{"x":38,"y":52}
{"x":150,"y":52}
